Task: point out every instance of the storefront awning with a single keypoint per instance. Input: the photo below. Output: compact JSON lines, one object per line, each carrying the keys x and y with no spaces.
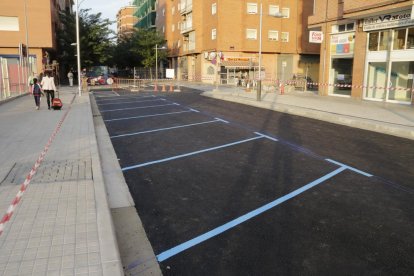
{"x":239,"y":64}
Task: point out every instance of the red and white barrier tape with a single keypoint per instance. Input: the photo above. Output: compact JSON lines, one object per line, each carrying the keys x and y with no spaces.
{"x":32,"y":172}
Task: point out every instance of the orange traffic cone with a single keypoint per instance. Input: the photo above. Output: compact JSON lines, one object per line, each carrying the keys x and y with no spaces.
{"x":171,"y":88}
{"x":163,"y":88}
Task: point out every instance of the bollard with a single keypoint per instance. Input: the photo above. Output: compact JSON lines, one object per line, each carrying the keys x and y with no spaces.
{"x":282,"y":89}
{"x":171,"y":88}
{"x":155,"y":88}
{"x":163,"y":88}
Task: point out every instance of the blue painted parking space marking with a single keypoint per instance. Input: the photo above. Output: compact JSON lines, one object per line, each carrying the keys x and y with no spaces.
{"x":212,"y":233}
{"x":139,"y":107}
{"x":146,"y":116}
{"x":267,"y":136}
{"x":349,"y":168}
{"x":145,"y":101}
{"x":165,"y":128}
{"x":190,"y":154}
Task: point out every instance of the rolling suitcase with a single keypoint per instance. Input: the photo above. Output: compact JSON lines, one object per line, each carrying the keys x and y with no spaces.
{"x":57,"y":103}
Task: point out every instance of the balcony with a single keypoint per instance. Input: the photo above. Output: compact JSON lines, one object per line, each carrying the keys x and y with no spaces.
{"x":186,"y":8}
{"x":186,"y":26}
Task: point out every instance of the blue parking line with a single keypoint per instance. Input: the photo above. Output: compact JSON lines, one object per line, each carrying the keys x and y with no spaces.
{"x":146,"y":116}
{"x":349,"y":168}
{"x":162,"y":129}
{"x":189,"y":154}
{"x":186,"y":245}
{"x":146,"y":101}
{"x":138,"y":107}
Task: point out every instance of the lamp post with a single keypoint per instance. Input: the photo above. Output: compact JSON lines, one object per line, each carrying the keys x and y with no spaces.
{"x":259,"y":83}
{"x":156,"y":61}
{"x":78,"y":48}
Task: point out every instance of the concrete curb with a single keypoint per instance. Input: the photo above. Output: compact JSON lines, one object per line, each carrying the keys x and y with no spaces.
{"x":110,"y":258}
{"x":361,"y":123}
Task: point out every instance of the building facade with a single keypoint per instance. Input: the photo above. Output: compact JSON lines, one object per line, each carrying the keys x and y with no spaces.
{"x":220,"y":40}
{"x":28,"y":29}
{"x":368,"y":49}
{"x":145,"y":13}
{"x":126,"y":20}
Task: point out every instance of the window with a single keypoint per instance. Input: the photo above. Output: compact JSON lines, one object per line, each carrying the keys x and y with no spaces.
{"x":8,"y":23}
{"x":274,"y":10}
{"x":213,"y":8}
{"x":273,"y":35}
{"x":252,"y":8}
{"x":343,"y":28}
{"x":163,"y":29}
{"x":410,"y":38}
{"x":173,"y":27}
{"x":285,"y":12}
{"x":173,"y":10}
{"x":163,"y":12}
{"x":251,"y":34}
{"x":285,"y":37}
{"x":213,"y":34}
{"x":399,"y":39}
{"x":378,"y":41}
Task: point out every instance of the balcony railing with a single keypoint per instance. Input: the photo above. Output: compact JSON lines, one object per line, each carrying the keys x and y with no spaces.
{"x":186,"y":26}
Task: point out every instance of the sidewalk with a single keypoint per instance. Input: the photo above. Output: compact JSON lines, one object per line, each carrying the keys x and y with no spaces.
{"x":62,"y":224}
{"x":387,"y":118}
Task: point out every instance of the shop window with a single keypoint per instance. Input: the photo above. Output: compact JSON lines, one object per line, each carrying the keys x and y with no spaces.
{"x":410,"y":38}
{"x":399,"y":39}
{"x":384,"y":40}
{"x":341,"y":72}
{"x":377,"y":80}
{"x":398,"y":79}
{"x":252,"y":8}
{"x":273,"y":35}
{"x":373,"y":41}
{"x":251,"y":34}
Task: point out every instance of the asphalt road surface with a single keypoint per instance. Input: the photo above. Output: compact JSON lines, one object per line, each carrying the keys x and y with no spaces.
{"x":228,"y":189}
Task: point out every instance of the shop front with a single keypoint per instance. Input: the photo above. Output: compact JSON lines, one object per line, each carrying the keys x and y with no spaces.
{"x":390,"y":57}
{"x":342,"y":59}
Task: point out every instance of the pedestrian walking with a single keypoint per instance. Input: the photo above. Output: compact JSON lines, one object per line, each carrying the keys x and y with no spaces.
{"x":49,"y":87}
{"x":37,"y":93}
{"x":70,"y":77}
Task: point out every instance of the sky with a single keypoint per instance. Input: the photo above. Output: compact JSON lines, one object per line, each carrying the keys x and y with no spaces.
{"x":108,"y":8}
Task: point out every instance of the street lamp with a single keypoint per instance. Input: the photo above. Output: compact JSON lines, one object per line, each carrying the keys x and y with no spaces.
{"x":259,"y":83}
{"x":78,"y":47}
{"x":156,"y":61}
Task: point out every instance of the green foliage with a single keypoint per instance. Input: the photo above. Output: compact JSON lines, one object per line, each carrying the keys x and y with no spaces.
{"x":138,"y":49}
{"x":96,"y":47}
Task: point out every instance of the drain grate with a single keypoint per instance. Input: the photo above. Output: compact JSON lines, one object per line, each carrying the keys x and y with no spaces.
{"x":54,"y":171}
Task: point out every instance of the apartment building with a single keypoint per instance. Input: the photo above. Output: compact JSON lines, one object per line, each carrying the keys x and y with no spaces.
{"x":209,"y":36}
{"x":126,"y":20}
{"x":368,"y":48}
{"x":28,"y":29}
{"x":145,"y":13}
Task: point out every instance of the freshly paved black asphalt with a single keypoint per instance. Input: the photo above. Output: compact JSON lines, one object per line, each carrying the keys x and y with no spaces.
{"x":350,"y":224}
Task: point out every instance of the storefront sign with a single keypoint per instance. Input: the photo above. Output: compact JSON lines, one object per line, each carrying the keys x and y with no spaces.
{"x":237,"y":59}
{"x":342,"y":43}
{"x":315,"y":37}
{"x":388,"y":21}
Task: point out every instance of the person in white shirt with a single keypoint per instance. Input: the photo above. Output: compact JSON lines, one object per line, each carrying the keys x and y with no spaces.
{"x":48,"y":86}
{"x":70,"y":77}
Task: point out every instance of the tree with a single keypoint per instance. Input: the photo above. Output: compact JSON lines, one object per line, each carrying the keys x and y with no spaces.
{"x":138,"y":49}
{"x":95,"y":40}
